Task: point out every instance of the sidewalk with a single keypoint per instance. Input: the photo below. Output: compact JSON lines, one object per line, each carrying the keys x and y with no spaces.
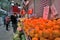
{"x":5,"y":35}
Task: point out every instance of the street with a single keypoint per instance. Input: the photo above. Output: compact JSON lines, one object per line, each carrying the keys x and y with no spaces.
{"x":5,"y":35}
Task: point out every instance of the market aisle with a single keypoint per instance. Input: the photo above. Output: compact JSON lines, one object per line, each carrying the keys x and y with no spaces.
{"x":6,"y":35}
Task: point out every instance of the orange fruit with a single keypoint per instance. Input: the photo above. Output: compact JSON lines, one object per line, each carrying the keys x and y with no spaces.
{"x":34,"y":38}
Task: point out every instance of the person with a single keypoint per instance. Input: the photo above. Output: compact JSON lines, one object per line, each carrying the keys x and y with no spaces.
{"x":4,"y":19}
{"x":7,"y":21}
{"x":14,"y":22}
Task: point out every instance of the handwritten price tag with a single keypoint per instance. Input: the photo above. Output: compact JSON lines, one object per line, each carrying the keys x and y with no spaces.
{"x":45,"y":12}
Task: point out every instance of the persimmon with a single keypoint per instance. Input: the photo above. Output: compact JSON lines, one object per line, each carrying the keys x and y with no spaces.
{"x":58,"y":21}
{"x":34,"y":38}
{"x":36,"y":35}
{"x":57,"y":38}
{"x":56,"y":33}
{"x":31,"y":33}
{"x":42,"y":38}
{"x":56,"y":27}
{"x":42,"y":27}
{"x":40,"y":32}
{"x":45,"y":33}
{"x":36,"y":27}
{"x":50,"y":30}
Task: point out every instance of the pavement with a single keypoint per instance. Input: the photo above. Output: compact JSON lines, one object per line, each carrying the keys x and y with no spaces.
{"x":5,"y":35}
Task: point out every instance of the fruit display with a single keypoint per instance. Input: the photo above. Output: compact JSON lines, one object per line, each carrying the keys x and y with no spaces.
{"x":42,"y":29}
{"x":19,"y":35}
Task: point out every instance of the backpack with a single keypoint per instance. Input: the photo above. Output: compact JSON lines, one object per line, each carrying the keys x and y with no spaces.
{"x":7,"y":19}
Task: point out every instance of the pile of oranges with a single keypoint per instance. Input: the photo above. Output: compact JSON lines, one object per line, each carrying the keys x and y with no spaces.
{"x":42,"y":29}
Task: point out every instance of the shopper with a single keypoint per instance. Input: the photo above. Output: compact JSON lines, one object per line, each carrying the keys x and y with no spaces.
{"x":14,"y":22}
{"x":7,"y":21}
{"x":4,"y":20}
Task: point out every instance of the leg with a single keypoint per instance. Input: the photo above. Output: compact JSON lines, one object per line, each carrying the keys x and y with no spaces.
{"x":4,"y":22}
{"x":7,"y":27}
{"x":14,"y":28}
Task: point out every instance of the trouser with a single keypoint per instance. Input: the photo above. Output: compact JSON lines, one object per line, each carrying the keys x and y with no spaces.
{"x":14,"y":27}
{"x":4,"y":23}
{"x":7,"y":27}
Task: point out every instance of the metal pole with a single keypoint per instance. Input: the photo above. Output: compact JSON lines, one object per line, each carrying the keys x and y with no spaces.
{"x":34,"y":7}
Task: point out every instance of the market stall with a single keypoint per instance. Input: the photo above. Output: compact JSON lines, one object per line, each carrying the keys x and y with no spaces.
{"x":45,"y":27}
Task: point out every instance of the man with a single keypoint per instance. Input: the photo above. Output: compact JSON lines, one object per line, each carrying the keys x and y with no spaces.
{"x":14,"y":22}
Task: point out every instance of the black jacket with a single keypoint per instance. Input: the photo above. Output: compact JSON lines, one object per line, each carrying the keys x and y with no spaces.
{"x":14,"y":19}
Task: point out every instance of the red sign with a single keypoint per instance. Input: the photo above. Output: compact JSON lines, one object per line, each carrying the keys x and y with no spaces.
{"x":30,"y":11}
{"x":15,"y":9}
{"x":54,"y":11}
{"x":45,"y":12}
{"x":22,"y":12}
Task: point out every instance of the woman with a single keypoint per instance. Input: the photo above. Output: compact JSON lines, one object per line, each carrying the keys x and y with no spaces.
{"x":7,"y":20}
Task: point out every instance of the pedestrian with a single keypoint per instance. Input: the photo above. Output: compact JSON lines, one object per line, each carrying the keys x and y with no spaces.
{"x":7,"y":21}
{"x":14,"y":22}
{"x":4,"y":22}
{"x":4,"y":19}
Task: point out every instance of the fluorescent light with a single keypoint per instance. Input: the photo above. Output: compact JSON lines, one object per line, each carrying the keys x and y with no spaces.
{"x":20,"y":7}
{"x":12,"y":4}
{"x":12,"y":1}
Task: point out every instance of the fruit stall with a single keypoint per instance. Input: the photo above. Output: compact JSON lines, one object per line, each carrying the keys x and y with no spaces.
{"x":45,"y":27}
{"x":40,"y":29}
